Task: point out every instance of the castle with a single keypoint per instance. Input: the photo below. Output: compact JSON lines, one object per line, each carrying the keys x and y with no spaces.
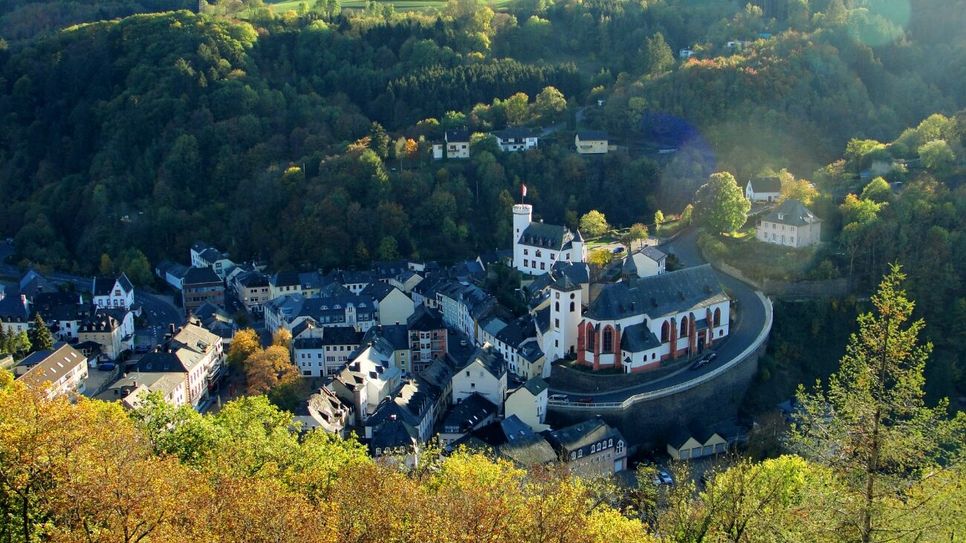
{"x":538,"y":246}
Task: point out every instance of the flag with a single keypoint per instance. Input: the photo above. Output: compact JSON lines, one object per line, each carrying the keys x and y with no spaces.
{"x":523,"y":190}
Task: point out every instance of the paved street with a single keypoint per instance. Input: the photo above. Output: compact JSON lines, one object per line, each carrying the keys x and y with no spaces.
{"x":750,"y":320}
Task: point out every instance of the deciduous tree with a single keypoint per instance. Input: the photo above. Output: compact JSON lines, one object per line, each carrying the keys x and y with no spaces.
{"x":720,"y":205}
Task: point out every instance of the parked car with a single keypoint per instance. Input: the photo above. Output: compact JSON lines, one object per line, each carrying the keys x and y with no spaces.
{"x":558,"y":397}
{"x":711,"y":357}
{"x":665,"y":477}
{"x":141,"y":349}
{"x":698,"y":364}
{"x":106,"y":366}
{"x":618,"y":250}
{"x":585,"y":399}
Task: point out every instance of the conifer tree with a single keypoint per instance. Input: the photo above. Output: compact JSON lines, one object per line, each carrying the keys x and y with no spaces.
{"x":40,"y":337}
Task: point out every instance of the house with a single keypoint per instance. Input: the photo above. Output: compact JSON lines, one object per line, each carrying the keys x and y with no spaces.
{"x":397,"y":336}
{"x":324,"y":410}
{"x":392,"y":305}
{"x":201,"y":286}
{"x":591,"y":448}
{"x":515,"y":139}
{"x":105,"y":330}
{"x":457,"y":143}
{"x":355,"y":281}
{"x":644,"y":262}
{"x":538,"y":246}
{"x":311,"y":283}
{"x":350,"y":310}
{"x":428,"y":338}
{"x":324,"y":351}
{"x":790,"y":225}
{"x":471,"y":414}
{"x":171,"y":273}
{"x":591,"y":142}
{"x":485,"y":374}
{"x":113,"y":292}
{"x":284,"y":282}
{"x":62,"y":371}
{"x":33,"y":283}
{"x":406,"y":281}
{"x":510,"y":439}
{"x":763,"y":189}
{"x":131,"y":389}
{"x":62,"y":311}
{"x":205,"y":256}
{"x":529,"y":403}
{"x":252,"y":289}
{"x":633,"y":325}
{"x":413,"y":407}
{"x":193,"y":351}
{"x":685,"y":54}
{"x":370,"y":377}
{"x":439,"y":375}
{"x":217,"y":321}
{"x":687,"y":444}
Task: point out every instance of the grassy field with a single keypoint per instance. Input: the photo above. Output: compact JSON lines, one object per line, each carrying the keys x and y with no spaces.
{"x":400,"y":5}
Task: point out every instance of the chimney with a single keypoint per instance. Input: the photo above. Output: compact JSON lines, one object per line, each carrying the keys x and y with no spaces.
{"x":171,"y":328}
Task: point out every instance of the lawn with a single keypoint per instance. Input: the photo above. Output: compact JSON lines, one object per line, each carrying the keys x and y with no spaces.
{"x":759,"y":260}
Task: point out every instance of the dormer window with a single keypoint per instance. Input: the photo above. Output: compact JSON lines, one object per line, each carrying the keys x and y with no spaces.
{"x":781,"y":216}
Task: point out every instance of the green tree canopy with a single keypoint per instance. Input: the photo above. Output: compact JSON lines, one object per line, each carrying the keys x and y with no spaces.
{"x":720,"y":205}
{"x":594,"y":223}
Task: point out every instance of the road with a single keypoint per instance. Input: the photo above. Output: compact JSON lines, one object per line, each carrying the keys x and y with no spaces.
{"x":750,"y":319}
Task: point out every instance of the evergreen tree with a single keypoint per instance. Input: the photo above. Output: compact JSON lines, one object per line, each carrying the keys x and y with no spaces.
{"x":40,"y":337}
{"x":872,"y":425}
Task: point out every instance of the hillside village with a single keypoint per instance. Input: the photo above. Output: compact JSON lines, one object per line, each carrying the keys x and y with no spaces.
{"x":405,"y":354}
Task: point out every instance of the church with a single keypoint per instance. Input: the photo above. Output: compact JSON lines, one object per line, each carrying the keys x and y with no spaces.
{"x":538,"y":246}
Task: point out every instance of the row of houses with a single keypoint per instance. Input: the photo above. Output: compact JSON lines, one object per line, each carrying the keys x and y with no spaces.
{"x":456,"y":143}
{"x":101,"y":326}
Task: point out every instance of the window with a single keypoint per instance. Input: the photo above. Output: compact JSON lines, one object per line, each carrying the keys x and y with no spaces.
{"x":717,"y":317}
{"x":610,"y":443}
{"x":538,"y":254}
{"x":580,"y":453}
{"x":572,"y":307}
{"x":684,"y":327}
{"x":526,"y":252}
{"x":556,"y":323}
{"x":665,"y":332}
{"x":590,"y":337}
{"x":556,"y":306}
{"x":620,"y":446}
{"x":542,"y":266}
{"x":526,"y":263}
{"x":608,"y":346}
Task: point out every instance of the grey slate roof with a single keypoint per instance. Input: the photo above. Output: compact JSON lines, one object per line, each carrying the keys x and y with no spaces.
{"x":425,"y":319}
{"x":378,"y":290}
{"x":458,"y":136}
{"x":582,"y":435}
{"x":333,"y":335}
{"x":659,"y":295}
{"x":252,"y":279}
{"x":286,"y":279}
{"x":200,"y":276}
{"x":766,"y":184}
{"x":792,"y":213}
{"x":549,"y":236}
{"x":588,"y":135}
{"x":514,"y":133}
{"x":467,"y":414}
{"x":637,"y":338}
{"x":12,"y":308}
{"x":536,"y":385}
{"x":104,"y":285}
{"x":396,"y":334}
{"x":510,"y":438}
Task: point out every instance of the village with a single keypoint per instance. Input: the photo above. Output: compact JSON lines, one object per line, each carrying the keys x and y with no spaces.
{"x":408,"y":354}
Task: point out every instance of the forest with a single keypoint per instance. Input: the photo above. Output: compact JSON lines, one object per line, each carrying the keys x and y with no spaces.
{"x":301,"y":138}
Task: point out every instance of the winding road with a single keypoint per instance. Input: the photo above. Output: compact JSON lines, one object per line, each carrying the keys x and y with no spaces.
{"x":750,"y":315}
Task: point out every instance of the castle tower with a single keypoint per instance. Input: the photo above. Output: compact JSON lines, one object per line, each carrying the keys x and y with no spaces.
{"x":522,"y":217}
{"x":566,"y":313}
{"x":579,"y":252}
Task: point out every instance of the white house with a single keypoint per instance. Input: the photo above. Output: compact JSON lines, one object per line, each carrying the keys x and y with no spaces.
{"x":205,"y":256}
{"x":457,"y":143}
{"x":591,"y":142}
{"x":370,"y":377}
{"x":634,"y":325}
{"x":131,"y":389}
{"x":349,"y":310}
{"x":763,"y":189}
{"x":529,"y":403}
{"x":566,"y":307}
{"x":791,"y":225}
{"x":326,"y":411}
{"x":392,"y":305}
{"x":485,"y":374}
{"x":193,"y":351}
{"x":60,"y":372}
{"x":112,"y":292}
{"x":645,"y":262}
{"x":15,"y":312}
{"x":513,"y":139}
{"x":324,"y":351}
{"x":688,"y":444}
{"x":538,"y":246}
{"x":685,"y":53}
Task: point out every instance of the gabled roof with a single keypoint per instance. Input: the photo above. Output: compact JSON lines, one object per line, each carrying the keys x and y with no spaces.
{"x":513,"y":439}
{"x":765,"y":184}
{"x":514,"y":132}
{"x":467,"y":414}
{"x":252,"y":279}
{"x":286,"y":279}
{"x":461,"y":135}
{"x":50,"y":366}
{"x":200,"y":276}
{"x":104,"y":285}
{"x":33,"y":283}
{"x":425,"y":319}
{"x":59,"y":306}
{"x":659,"y":295}
{"x":378,"y":290}
{"x":536,"y":386}
{"x":99,"y":323}
{"x":332,"y":335}
{"x":638,"y":338}
{"x":582,"y":434}
{"x":491,"y":361}
{"x":395,"y":334}
{"x":13,"y":308}
{"x":549,"y":236}
{"x":792,"y":213}
{"x":591,"y":135}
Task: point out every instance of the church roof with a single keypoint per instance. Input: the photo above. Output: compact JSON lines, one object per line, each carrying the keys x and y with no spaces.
{"x":659,"y":295}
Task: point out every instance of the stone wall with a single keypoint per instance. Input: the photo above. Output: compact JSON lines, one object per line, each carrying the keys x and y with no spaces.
{"x":649,"y":423}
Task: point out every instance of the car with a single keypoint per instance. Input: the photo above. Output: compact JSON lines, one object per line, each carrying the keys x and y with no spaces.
{"x":585,"y":399}
{"x":711,"y":357}
{"x":698,"y":364}
{"x":558,"y":397}
{"x":142,"y":349}
{"x":665,"y":477}
{"x":618,"y":250}
{"x":106,"y":366}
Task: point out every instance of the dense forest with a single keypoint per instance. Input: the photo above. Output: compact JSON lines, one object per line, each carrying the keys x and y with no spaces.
{"x":302,"y":137}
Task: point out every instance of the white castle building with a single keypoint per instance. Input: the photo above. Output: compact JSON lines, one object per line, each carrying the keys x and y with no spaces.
{"x":538,"y":246}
